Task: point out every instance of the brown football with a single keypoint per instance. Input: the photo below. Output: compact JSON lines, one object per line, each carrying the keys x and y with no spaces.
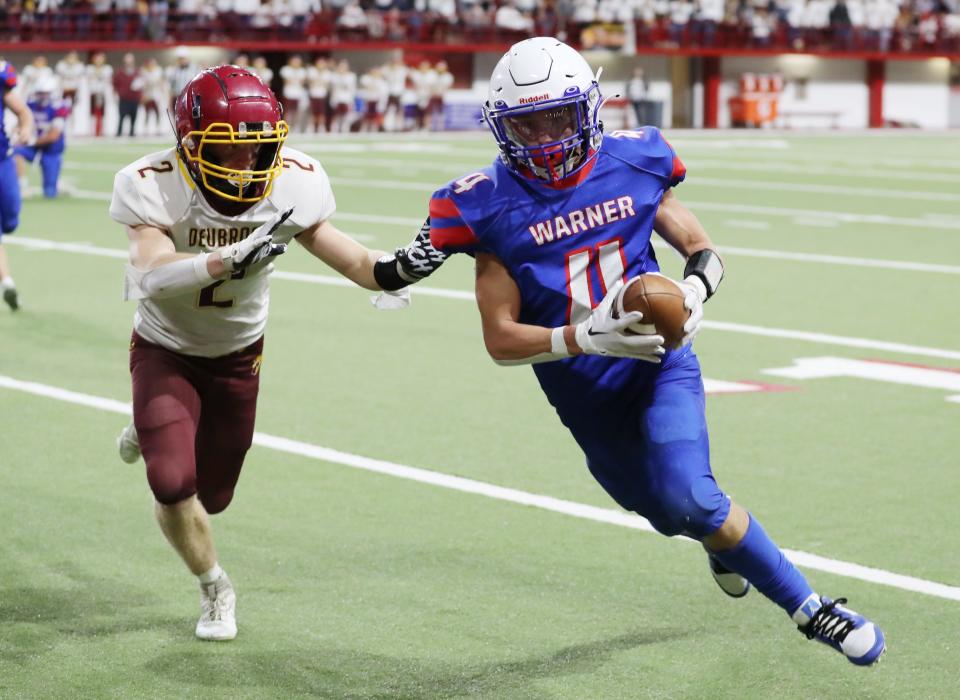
{"x":660,"y":301}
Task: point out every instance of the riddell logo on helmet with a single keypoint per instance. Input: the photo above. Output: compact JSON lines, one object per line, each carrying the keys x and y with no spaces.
{"x":534,"y":98}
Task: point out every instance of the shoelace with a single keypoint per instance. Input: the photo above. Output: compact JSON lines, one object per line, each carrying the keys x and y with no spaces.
{"x":215,"y":606}
{"x":833,"y":624}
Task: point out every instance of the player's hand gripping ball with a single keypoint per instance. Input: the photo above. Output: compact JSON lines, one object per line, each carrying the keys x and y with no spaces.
{"x":660,"y":301}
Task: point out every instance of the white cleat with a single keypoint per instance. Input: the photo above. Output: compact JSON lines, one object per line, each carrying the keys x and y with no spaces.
{"x":128,"y":445}
{"x":218,"y":611}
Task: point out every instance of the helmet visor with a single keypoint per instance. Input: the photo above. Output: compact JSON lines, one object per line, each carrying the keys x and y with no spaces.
{"x":543,"y":126}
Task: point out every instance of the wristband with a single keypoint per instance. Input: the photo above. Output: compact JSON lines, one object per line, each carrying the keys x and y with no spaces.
{"x":706,"y":265}
{"x":558,"y":346}
{"x":386,"y":274}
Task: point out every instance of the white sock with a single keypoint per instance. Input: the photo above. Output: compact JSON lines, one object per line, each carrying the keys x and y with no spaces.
{"x":804,"y":613}
{"x":7,"y":283}
{"x":212,"y":575}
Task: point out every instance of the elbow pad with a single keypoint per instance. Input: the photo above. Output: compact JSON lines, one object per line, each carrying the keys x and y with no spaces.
{"x":706,"y":265}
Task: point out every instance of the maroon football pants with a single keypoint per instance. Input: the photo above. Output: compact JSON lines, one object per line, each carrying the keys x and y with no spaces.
{"x":194,"y":418}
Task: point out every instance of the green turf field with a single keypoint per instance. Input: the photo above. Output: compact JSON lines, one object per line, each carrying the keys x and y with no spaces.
{"x":355,"y":583}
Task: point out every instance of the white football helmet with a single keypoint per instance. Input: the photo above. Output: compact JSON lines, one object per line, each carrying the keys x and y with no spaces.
{"x":44,"y":89}
{"x":543,"y":109}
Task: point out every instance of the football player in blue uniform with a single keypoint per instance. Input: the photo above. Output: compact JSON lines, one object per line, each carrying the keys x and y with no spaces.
{"x":50,"y":116}
{"x":560,"y":225}
{"x":9,"y":186}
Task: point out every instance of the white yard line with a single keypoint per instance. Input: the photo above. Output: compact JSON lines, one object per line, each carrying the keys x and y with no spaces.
{"x":85,"y":248}
{"x":421,"y":290}
{"x":694,"y":166}
{"x":501,"y":493}
{"x":940,"y":222}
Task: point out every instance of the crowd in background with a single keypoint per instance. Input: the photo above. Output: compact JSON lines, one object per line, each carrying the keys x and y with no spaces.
{"x":318,"y":95}
{"x":887,"y":25}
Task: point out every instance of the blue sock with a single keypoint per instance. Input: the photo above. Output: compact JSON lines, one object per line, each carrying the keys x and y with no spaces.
{"x":762,"y":563}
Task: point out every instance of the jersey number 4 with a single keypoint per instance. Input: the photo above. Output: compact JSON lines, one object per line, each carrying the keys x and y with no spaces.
{"x":606,"y":260}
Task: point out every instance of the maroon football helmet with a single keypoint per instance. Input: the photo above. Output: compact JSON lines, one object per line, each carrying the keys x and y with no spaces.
{"x":221,"y":110}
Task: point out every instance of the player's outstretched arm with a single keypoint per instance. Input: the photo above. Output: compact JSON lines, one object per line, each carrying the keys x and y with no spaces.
{"x":351,"y":259}
{"x":679,"y":227}
{"x":512,"y":343}
{"x":157,"y":270}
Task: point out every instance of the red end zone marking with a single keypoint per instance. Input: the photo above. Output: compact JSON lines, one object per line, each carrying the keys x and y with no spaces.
{"x":917,"y":365}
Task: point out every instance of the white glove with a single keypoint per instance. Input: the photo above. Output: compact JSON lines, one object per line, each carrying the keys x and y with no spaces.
{"x":257,"y":246}
{"x":390,"y":301}
{"x":694,"y":294}
{"x":602,"y":334}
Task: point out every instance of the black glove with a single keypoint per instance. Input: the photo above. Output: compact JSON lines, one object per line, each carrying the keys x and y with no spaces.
{"x":409,"y":264}
{"x":420,"y":259}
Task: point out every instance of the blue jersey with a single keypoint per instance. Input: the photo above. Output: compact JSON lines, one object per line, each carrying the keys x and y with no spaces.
{"x":46,"y":116}
{"x":8,"y":81}
{"x":565,"y":246}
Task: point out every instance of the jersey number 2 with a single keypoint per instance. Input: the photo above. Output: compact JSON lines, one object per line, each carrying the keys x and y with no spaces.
{"x":606,"y":260}
{"x":206,"y":298}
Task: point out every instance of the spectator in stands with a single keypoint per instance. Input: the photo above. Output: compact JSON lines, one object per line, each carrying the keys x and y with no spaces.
{"x":189,"y":19}
{"x":881,"y":16}
{"x":155,"y":97}
{"x":840,"y":25}
{"x":318,"y":90}
{"x":680,"y":13}
{"x":343,"y":95}
{"x":244,"y":12}
{"x":99,"y":75}
{"x":708,"y":15}
{"x":395,"y":74}
{"x":294,"y":92}
{"x":511,"y":19}
{"x":353,"y":20}
{"x":180,"y":73}
{"x":761,"y":27}
{"x":124,"y":14}
{"x":128,"y":86}
{"x":299,"y":11}
{"x":157,"y":20}
{"x":262,"y":70}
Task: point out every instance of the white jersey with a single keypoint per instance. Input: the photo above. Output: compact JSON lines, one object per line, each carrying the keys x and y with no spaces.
{"x":100,"y":79}
{"x":70,"y":74}
{"x":228,"y":315}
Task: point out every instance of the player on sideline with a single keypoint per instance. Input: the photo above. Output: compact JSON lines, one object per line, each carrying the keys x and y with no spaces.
{"x":205,"y":220}
{"x":9,"y":183}
{"x":50,"y":116}
{"x":557,"y":224}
